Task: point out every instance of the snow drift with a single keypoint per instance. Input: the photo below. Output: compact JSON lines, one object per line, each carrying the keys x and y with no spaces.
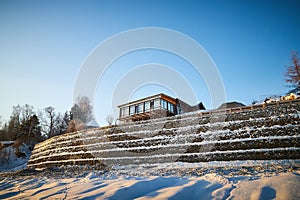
{"x":235,"y":180}
{"x":13,"y":156}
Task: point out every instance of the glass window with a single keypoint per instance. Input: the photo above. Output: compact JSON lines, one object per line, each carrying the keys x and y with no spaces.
{"x":132,"y":110}
{"x":164,"y":104}
{"x":170,"y":107}
{"x":147,"y":106}
{"x":126,"y":111}
{"x":140,"y":108}
{"x":178,"y":110}
{"x":156,"y":103}
{"x":151,"y":105}
{"x":122,"y":110}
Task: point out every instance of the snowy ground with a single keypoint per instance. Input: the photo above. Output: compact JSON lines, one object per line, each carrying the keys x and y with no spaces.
{"x":213,"y":180}
{"x":13,"y":156}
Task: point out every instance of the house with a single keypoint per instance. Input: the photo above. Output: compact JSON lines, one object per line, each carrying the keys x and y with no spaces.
{"x":296,"y":91}
{"x":92,"y":124}
{"x":160,"y":105}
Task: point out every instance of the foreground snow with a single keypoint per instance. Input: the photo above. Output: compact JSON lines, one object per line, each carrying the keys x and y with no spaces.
{"x":211,"y":186}
{"x":213,"y":180}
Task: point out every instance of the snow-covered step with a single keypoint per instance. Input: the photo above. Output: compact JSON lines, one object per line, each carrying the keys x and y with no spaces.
{"x":271,"y":132}
{"x":112,"y":150}
{"x":164,"y":138}
{"x":249,"y":129}
{"x":251,"y":154}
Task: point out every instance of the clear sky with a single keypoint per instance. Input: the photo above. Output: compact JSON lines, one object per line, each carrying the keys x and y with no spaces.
{"x":44,"y":43}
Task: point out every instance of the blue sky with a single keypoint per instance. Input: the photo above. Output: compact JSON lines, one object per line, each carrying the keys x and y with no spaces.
{"x":44,"y":43}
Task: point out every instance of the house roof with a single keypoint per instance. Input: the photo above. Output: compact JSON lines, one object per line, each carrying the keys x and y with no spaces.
{"x":233,"y":104}
{"x":92,"y":123}
{"x":295,"y":90}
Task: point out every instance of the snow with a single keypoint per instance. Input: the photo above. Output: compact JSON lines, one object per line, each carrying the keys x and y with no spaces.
{"x":223,"y":183}
{"x":285,"y":186}
{"x":140,"y":160}
{"x":186,"y":144}
{"x":9,"y":159}
{"x":166,"y":155}
{"x":85,"y":135}
{"x":3,"y":143}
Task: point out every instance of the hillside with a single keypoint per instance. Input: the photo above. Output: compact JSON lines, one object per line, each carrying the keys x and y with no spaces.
{"x":238,"y":153}
{"x":263,"y":132}
{"x":13,"y":155}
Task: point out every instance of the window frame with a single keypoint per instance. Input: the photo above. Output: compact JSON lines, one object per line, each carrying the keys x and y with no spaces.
{"x":132,"y":108}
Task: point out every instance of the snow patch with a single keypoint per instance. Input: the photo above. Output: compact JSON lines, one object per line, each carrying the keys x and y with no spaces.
{"x":14,"y":157}
{"x":209,"y":186}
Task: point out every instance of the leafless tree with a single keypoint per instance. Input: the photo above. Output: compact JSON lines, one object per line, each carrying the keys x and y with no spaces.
{"x":19,"y":117}
{"x":293,"y":70}
{"x":82,"y":110}
{"x":27,"y":112}
{"x":81,"y":114}
{"x":51,"y":122}
{"x":1,"y":122}
{"x":110,"y":119}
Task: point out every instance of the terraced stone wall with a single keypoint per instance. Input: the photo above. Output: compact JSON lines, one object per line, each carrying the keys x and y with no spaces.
{"x":260,"y":133}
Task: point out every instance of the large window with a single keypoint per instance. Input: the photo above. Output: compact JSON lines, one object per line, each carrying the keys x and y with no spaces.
{"x":126,"y":111}
{"x":122,"y":112}
{"x":164,"y":104}
{"x":178,"y":110}
{"x":140,"y":108}
{"x":147,"y":106}
{"x":170,"y":107}
{"x":132,"y":110}
{"x":156,"y":104}
{"x":152,"y":105}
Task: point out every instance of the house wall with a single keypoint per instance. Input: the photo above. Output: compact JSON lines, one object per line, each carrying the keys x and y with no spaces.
{"x":154,"y":107}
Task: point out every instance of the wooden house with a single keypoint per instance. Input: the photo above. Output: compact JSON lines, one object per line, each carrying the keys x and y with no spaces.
{"x":155,"y":106}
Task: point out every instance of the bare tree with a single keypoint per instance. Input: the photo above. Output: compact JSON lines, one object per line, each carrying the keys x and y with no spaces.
{"x":27,"y":112}
{"x":82,"y":110}
{"x":81,"y":114}
{"x":3,"y":133}
{"x":51,"y":122}
{"x":20,"y":116}
{"x":14,"y":123}
{"x":1,"y":122}
{"x":110,"y":119}
{"x":30,"y":131}
{"x":65,"y":122}
{"x":293,"y":70}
